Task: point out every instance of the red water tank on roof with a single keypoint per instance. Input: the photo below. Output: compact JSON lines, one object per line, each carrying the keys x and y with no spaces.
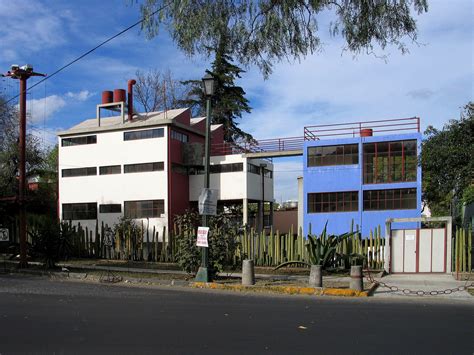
{"x":119,"y":95}
{"x":107,"y":97}
{"x":366,"y":132}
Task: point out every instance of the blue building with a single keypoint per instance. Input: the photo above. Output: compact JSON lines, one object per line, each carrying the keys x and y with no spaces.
{"x":364,"y":172}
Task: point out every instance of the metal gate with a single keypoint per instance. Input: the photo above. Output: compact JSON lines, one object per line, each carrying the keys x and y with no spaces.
{"x":419,"y":250}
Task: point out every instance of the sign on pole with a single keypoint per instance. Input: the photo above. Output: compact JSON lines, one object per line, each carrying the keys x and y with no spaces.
{"x":208,"y":202}
{"x":203,"y":233}
{"x":4,"y":237}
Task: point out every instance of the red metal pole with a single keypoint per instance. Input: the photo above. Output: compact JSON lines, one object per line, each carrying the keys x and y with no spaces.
{"x":23,"y":260}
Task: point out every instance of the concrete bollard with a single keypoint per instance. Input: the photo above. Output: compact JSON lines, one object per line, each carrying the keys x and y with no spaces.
{"x":316,"y":276}
{"x":248,"y":273}
{"x":356,"y":278}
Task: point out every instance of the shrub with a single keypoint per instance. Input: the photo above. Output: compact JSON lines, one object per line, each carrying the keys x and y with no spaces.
{"x":223,"y":243}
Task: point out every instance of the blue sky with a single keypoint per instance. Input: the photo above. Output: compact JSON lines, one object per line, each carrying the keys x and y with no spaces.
{"x":433,"y":81}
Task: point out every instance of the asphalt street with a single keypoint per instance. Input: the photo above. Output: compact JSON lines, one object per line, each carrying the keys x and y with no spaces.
{"x":39,"y":315}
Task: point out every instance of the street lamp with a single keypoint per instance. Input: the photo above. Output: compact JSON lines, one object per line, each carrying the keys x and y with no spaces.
{"x":208,"y":86}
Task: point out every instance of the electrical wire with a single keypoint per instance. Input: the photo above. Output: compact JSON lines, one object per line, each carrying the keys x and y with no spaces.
{"x":89,"y":52}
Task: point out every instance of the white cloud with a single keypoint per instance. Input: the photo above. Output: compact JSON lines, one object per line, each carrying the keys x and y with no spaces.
{"x":80,"y":96}
{"x":40,"y":110}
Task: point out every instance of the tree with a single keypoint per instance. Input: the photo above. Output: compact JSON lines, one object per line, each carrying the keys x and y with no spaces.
{"x":228,"y":101}
{"x":262,"y":32}
{"x":447,"y":163}
{"x":158,"y":91}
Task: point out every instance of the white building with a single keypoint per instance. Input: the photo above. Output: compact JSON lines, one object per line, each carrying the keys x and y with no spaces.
{"x":149,"y":167}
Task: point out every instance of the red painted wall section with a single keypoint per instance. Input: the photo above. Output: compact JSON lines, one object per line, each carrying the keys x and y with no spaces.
{"x":184,"y":118}
{"x":217,"y":140}
{"x":179,"y":182}
{"x":200,"y":125}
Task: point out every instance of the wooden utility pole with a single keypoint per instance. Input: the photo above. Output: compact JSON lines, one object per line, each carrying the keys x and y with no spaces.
{"x":23,"y":74}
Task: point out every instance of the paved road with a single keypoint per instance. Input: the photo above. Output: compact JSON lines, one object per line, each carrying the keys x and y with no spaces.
{"x":38,"y":315}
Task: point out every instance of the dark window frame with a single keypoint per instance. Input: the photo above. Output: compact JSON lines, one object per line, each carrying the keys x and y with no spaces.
{"x":332,"y":202}
{"x":144,"y":134}
{"x":139,"y":209}
{"x":143,"y":167}
{"x":344,"y":154}
{"x":78,"y":172}
{"x":226,"y":168}
{"x":390,"y":199}
{"x":79,"y":211}
{"x":390,"y":162}
{"x":110,"y":169}
{"x":82,"y":140}
{"x":179,"y":136}
{"x":110,"y":208}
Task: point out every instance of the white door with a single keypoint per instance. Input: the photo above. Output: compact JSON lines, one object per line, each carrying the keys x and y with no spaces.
{"x":438,"y":263}
{"x":409,"y":259}
{"x":425,"y":252}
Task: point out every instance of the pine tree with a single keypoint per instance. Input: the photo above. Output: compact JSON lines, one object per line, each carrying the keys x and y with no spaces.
{"x":229,"y":102}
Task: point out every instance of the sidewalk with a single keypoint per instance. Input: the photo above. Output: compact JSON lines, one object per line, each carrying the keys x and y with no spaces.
{"x":424,"y":282}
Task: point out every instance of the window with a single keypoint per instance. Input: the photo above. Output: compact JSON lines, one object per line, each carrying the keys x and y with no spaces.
{"x":144,"y":209}
{"x":111,"y":169}
{"x":390,"y":162}
{"x":327,"y":202}
{"x":179,"y":136}
{"x":75,"y":211}
{"x":143,"y":167}
{"x":254,"y":169}
{"x":179,"y":169}
{"x":268,"y":173}
{"x":145,"y":134}
{"x":110,"y":208}
{"x":333,"y":155}
{"x":67,"y":142}
{"x":393,"y":199}
{"x":226,"y":168}
{"x":79,"y":172}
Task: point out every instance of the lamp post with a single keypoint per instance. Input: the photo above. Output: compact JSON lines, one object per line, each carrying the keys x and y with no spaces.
{"x":208,"y":85}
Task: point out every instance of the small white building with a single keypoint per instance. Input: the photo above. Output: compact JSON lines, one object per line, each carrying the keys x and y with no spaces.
{"x":149,"y":167}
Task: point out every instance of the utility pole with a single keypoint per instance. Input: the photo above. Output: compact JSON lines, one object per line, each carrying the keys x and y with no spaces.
{"x":23,"y":74}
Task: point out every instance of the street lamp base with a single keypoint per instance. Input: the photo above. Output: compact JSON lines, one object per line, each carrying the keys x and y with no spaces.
{"x":202,"y":275}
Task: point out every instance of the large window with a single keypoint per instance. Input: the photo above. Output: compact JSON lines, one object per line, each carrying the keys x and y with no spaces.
{"x":333,"y":155}
{"x":144,"y":209}
{"x":326,"y":202}
{"x":386,"y":162}
{"x":67,"y":142}
{"x":143,"y":167}
{"x":111,"y":169}
{"x":110,"y":208}
{"x":226,"y":168}
{"x":179,"y":136}
{"x":145,"y":134}
{"x":254,"y":169}
{"x":75,"y":211}
{"x":79,"y":172}
{"x":393,"y":199}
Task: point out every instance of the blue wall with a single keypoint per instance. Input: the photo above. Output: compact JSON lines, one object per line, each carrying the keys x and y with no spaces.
{"x":349,"y":178}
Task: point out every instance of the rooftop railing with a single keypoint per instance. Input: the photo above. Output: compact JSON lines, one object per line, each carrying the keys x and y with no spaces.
{"x":362,"y":129}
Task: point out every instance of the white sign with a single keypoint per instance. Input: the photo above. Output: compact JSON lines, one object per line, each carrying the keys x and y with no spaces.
{"x":409,"y":237}
{"x":203,"y":232}
{"x":4,"y":235}
{"x":208,"y":202}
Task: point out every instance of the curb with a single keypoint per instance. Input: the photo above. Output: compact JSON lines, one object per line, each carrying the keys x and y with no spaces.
{"x":290,"y":290}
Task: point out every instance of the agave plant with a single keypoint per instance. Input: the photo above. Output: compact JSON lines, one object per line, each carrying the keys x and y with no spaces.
{"x":322,"y":250}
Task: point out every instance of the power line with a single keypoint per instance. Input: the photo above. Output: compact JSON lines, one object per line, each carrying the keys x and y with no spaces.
{"x":89,"y":52}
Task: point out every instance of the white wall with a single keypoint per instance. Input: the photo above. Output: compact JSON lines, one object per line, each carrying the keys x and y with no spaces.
{"x":111,"y":149}
{"x":234,"y":185}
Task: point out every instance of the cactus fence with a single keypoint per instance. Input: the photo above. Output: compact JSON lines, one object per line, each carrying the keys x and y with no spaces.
{"x":462,"y":250}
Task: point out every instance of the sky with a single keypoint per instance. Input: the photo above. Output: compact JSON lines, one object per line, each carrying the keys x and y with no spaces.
{"x":434,"y":81}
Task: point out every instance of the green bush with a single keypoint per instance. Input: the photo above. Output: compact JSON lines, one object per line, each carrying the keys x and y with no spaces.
{"x":223,"y":243}
{"x":50,"y":240}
